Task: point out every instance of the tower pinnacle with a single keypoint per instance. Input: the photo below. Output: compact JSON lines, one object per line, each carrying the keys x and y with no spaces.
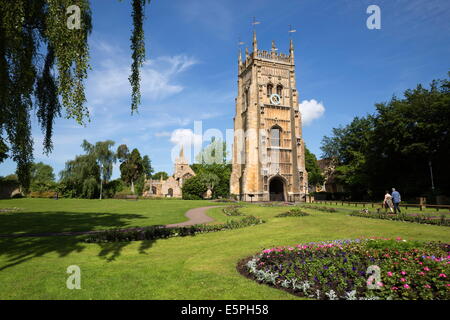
{"x":291,"y":51}
{"x":255,"y":43}
{"x":274,"y":47}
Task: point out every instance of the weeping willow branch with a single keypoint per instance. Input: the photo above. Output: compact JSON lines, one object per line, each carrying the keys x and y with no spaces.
{"x":138,"y":52}
{"x":26,"y":26}
{"x":47,"y":100}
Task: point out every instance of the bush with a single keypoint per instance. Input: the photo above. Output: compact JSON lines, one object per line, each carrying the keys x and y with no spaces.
{"x":43,"y":186}
{"x":340,"y":269}
{"x":193,"y":188}
{"x":42,"y":194}
{"x":111,"y":188}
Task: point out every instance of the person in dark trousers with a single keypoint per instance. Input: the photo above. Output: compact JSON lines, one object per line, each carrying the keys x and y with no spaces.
{"x":396,"y":199}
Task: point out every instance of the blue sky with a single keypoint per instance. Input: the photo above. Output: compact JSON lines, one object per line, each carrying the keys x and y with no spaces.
{"x":343,"y":68}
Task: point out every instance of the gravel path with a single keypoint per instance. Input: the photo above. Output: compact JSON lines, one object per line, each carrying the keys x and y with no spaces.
{"x":196,"y":216}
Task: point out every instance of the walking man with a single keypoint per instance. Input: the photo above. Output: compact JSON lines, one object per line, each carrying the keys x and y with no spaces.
{"x":396,"y":199}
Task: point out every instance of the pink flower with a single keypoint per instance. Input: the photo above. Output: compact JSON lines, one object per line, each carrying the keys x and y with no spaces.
{"x":406,"y":286}
{"x":380,"y":284}
{"x":389,"y":274}
{"x":398,"y":238}
{"x":427,"y":286}
{"x":421,"y":273}
{"x":403,"y":272}
{"x":420,"y":262}
{"x":426,"y":269}
{"x":394,"y":288}
{"x":403,"y":280}
{"x":442,"y":275}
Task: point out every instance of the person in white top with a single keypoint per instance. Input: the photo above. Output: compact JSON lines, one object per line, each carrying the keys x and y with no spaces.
{"x":388,"y":202}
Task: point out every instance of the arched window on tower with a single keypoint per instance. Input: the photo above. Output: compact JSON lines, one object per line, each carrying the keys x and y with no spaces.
{"x":269,"y":89}
{"x":275,"y":136}
{"x":280,"y":90}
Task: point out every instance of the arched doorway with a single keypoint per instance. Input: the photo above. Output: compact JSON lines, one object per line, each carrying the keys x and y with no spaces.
{"x":276,"y":189}
{"x":170,"y":192}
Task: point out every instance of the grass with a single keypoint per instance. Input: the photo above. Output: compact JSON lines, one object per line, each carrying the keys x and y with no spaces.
{"x":200,"y":267}
{"x":67,"y":215}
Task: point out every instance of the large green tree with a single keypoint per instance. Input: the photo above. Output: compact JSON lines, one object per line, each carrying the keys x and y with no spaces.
{"x":160,"y":174}
{"x":43,"y":66}
{"x":315,"y":176}
{"x":42,"y":173}
{"x":81,"y":177}
{"x":147,"y":166}
{"x":396,"y":146}
{"x":131,"y":167}
{"x":105,"y":158}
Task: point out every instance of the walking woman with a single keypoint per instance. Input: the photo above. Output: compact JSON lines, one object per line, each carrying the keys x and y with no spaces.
{"x":388,"y":202}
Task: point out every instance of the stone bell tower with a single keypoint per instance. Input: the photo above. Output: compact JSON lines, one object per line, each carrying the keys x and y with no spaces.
{"x":268,"y":149}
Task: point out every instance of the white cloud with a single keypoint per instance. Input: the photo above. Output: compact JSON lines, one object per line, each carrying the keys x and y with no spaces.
{"x":109,"y":81}
{"x":311,"y":110}
{"x":185,"y":137}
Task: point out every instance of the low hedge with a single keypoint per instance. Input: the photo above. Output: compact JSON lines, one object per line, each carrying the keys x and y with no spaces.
{"x":161,"y":232}
{"x":42,"y":194}
{"x":424,"y":219}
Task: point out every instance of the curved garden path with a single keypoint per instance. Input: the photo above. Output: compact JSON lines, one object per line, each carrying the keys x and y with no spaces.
{"x":196,"y":216}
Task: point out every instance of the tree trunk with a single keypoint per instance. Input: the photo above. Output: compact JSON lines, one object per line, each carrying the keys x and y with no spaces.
{"x":132,"y":186}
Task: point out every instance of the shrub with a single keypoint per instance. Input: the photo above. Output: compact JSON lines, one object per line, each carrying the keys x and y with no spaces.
{"x":111,"y":188}
{"x":340,"y":269}
{"x":194,"y":188}
{"x":42,"y":194}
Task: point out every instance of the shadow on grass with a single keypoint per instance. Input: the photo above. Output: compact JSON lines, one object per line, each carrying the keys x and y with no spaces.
{"x":20,"y":250}
{"x":17,"y":250}
{"x":62,"y":221}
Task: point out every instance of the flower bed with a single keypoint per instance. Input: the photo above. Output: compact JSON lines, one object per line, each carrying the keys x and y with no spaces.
{"x":233,"y":210}
{"x":292,"y":213}
{"x":275,"y":204}
{"x":324,"y":209}
{"x":426,"y":219}
{"x":160,"y":232}
{"x":355,"y":269}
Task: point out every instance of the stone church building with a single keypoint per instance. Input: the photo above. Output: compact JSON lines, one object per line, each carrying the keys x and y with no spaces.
{"x":268,"y":150}
{"x":171,"y":187}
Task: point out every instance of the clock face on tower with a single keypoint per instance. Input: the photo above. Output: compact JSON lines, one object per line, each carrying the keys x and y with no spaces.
{"x":275,"y":99}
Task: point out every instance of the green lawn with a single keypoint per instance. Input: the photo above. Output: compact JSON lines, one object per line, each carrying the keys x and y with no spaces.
{"x":63,"y":215}
{"x":200,"y":267}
